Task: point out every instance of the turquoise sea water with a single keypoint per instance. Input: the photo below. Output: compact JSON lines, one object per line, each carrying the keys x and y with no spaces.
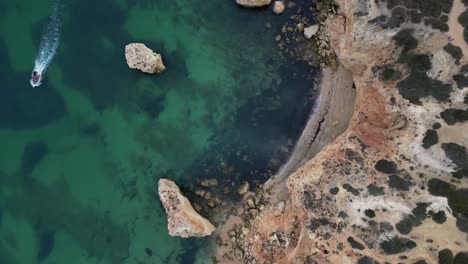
{"x":81,"y":155}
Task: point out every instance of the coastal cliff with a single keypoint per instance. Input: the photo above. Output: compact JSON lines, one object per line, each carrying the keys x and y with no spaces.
{"x":393,"y":187}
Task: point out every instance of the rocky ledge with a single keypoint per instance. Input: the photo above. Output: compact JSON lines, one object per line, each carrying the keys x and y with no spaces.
{"x":143,"y":58}
{"x":183,"y":220}
{"x":393,"y":188}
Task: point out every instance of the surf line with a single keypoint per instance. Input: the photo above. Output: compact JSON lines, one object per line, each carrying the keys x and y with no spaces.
{"x":48,"y":45}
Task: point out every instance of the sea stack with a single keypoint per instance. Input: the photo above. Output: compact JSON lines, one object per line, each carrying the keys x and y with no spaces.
{"x":278,"y":7}
{"x":253,"y":3}
{"x":143,"y":58}
{"x":183,"y":220}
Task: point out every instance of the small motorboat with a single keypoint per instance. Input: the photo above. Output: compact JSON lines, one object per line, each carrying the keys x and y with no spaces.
{"x":36,"y":78}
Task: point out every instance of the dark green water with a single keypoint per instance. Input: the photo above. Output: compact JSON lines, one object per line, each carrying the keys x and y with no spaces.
{"x":81,"y":155}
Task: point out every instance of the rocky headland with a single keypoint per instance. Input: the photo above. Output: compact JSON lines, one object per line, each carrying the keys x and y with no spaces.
{"x":183,"y":220}
{"x":393,"y":187}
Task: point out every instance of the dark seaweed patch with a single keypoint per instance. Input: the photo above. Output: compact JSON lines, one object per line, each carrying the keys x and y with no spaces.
{"x":46,"y":245}
{"x":99,"y":85}
{"x":445,"y":256}
{"x":386,"y":166}
{"x":452,"y":116}
{"x":397,"y":245}
{"x":397,"y":182}
{"x":33,"y":153}
{"x":91,"y":130}
{"x":351,"y":189}
{"x":152,"y":105}
{"x":148,"y":252}
{"x":355,"y":244}
{"x":374,"y":190}
{"x":436,"y":125}
{"x":430,"y":139}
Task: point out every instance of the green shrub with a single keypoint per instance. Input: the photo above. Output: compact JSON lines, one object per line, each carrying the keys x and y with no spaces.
{"x":388,"y":73}
{"x":455,"y":51}
{"x":452,"y":116}
{"x":405,"y":39}
{"x":432,"y":8}
{"x":398,"y":17}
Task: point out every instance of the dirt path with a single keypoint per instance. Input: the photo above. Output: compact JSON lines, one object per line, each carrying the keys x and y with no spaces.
{"x":456,"y":29}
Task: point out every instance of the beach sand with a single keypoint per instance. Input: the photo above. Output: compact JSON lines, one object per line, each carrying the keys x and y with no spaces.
{"x":326,"y":124}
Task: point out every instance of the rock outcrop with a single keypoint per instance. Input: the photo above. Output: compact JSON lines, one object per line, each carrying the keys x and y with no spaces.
{"x":278,"y":7}
{"x":253,"y":3}
{"x":310,"y":31}
{"x":183,"y":220}
{"x":394,"y":187}
{"x":143,"y":58}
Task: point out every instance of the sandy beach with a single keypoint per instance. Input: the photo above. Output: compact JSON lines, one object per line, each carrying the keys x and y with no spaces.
{"x":326,"y":124}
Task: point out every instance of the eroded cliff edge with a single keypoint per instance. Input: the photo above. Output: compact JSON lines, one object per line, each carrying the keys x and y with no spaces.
{"x":393,"y":187}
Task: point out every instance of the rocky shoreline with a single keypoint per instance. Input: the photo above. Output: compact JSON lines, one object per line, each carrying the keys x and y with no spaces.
{"x":393,"y":187}
{"x":386,"y":190}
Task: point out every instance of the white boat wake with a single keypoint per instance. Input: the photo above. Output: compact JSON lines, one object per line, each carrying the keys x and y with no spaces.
{"x":48,"y":46}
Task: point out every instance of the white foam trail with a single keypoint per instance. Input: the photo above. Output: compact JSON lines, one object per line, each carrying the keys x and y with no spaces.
{"x":49,"y":41}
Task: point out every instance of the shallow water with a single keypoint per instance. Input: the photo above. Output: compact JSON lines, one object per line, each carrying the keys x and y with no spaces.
{"x":81,"y":155}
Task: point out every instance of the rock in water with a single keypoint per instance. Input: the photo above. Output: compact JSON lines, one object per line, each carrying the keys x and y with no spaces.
{"x":253,"y":3}
{"x":310,"y":31}
{"x":143,"y":58}
{"x":183,"y":220}
{"x":278,"y":7}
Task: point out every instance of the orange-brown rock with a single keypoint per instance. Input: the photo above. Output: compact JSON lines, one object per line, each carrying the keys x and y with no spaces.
{"x":140,"y":57}
{"x":183,"y":220}
{"x":378,"y":192}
